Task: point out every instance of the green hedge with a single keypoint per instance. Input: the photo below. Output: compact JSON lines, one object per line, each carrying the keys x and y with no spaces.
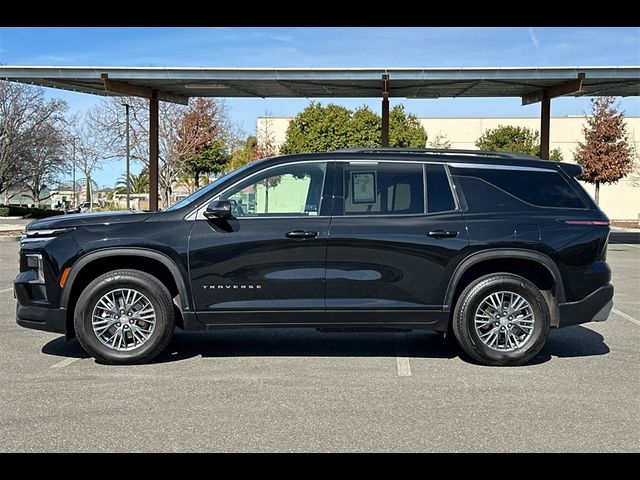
{"x":15,"y":211}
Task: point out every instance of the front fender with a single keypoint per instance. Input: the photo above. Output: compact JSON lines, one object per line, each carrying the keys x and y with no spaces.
{"x":82,"y":262}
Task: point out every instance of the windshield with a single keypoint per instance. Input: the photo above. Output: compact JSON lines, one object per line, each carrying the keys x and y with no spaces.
{"x":196,"y":196}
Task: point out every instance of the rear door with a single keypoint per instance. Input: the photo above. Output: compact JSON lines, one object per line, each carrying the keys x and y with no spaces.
{"x":395,"y":234}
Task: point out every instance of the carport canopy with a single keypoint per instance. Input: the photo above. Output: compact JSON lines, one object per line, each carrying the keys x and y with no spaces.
{"x":178,"y":84}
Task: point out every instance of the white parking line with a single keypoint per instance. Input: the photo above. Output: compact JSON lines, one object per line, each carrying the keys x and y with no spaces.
{"x":65,"y":362}
{"x":4,"y":290}
{"x":625,"y":316}
{"x":402,"y":356}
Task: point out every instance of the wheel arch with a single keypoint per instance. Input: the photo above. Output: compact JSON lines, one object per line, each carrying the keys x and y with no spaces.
{"x":500,"y":255}
{"x":150,"y":257}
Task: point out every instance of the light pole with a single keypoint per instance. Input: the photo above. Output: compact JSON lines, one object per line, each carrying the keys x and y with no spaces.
{"x":128,"y":177}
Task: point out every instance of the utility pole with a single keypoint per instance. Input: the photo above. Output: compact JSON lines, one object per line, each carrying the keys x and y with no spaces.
{"x":128,"y":177}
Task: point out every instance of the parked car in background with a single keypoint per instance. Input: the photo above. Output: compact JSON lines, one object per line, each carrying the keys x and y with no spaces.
{"x":492,"y":248}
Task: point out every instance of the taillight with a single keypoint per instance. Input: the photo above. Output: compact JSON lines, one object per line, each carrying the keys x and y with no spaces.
{"x":587,"y":222}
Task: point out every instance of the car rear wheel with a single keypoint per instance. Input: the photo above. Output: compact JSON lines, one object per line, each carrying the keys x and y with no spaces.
{"x":124,"y":317}
{"x":501,"y":319}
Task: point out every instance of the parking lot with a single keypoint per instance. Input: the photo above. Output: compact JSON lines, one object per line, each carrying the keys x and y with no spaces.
{"x":301,"y":390}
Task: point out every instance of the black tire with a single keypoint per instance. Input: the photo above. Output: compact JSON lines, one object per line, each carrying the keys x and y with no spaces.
{"x":155,"y":291}
{"x":468,"y":302}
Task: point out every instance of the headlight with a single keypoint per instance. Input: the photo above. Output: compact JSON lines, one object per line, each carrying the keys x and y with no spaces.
{"x":47,"y":233}
{"x":34,"y":260}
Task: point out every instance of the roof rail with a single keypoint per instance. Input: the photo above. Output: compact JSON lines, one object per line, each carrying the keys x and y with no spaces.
{"x":439,"y":151}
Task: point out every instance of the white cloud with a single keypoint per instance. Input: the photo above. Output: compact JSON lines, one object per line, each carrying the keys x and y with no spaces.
{"x":534,"y":38}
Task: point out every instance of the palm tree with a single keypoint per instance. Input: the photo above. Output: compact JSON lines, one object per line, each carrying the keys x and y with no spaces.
{"x":139,"y":183}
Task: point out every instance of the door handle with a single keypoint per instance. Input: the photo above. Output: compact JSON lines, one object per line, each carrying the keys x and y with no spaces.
{"x":442,"y":234}
{"x":301,"y":234}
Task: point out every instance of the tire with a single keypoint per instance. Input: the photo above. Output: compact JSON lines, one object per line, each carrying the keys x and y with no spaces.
{"x":505,"y":351}
{"x":150,"y":339}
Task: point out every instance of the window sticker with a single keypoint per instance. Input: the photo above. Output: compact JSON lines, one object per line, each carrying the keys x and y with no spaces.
{"x":363,"y":187}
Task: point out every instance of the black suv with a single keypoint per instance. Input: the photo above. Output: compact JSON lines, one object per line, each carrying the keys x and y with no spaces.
{"x":494,"y":248}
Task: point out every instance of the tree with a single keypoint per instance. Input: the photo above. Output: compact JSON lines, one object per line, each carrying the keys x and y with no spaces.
{"x":246,"y":153}
{"x":138,"y":183}
{"x":514,"y":139}
{"x":108,"y":118}
{"x":44,"y":159}
{"x":89,"y":155}
{"x":318,"y":129}
{"x":405,"y":130}
{"x":253,"y":149}
{"x":204,"y":136}
{"x":366,"y":128}
{"x":606,"y":155}
{"x":24,"y":114}
{"x":212,"y":158}
{"x":440,"y":141}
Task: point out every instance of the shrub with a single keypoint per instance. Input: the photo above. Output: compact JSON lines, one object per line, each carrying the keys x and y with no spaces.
{"x":16,"y":211}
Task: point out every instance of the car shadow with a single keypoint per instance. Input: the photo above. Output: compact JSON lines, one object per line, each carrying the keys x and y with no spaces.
{"x":575,"y":341}
{"x":61,"y":347}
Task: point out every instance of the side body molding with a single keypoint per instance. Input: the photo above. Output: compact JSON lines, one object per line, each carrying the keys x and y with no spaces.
{"x":183,"y":292}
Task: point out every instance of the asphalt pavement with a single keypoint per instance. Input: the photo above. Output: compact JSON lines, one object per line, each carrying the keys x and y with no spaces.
{"x":302,"y":390}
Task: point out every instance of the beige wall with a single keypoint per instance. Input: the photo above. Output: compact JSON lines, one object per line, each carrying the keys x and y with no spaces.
{"x":620,"y":201}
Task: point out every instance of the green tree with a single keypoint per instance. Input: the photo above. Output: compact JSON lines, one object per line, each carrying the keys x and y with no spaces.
{"x":139,"y":183}
{"x":244,"y":154}
{"x":606,"y":155}
{"x":252,"y":149}
{"x":366,"y":126}
{"x":212,"y":158}
{"x":440,"y":141}
{"x":514,"y":139}
{"x":318,"y":129}
{"x":405,"y":130}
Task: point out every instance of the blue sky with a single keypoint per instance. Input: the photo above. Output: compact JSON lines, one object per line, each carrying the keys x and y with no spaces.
{"x":329,"y":47}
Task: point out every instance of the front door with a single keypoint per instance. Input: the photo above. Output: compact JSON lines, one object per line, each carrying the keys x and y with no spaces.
{"x":394,"y":238}
{"x":267,"y":263}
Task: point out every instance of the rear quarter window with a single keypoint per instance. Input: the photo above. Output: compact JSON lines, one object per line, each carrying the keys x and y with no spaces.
{"x":540,"y":188}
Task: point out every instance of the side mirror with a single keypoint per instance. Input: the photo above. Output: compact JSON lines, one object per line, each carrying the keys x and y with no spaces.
{"x":218,"y":209}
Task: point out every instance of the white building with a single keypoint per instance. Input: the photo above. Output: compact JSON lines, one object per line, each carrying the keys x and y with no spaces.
{"x":620,"y":201}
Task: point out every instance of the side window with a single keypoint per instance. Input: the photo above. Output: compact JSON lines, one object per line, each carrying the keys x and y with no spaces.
{"x":439,"y":196}
{"x":290,"y":190}
{"x":539,"y":188}
{"x":480,"y":196}
{"x":383,"y":188}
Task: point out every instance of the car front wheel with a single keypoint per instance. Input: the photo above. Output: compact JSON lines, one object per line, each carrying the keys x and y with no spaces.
{"x":501,"y":319}
{"x":124,"y":317}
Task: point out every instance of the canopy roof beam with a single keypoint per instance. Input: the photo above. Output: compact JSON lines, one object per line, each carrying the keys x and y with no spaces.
{"x":565,"y":88}
{"x":131,"y":90}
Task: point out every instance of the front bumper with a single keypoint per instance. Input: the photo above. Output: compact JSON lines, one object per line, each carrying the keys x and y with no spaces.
{"x":38,"y":318}
{"x":595,"y":307}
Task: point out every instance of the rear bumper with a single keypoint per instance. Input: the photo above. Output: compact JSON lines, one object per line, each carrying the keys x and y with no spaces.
{"x":38,"y":318}
{"x":593,"y":308}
